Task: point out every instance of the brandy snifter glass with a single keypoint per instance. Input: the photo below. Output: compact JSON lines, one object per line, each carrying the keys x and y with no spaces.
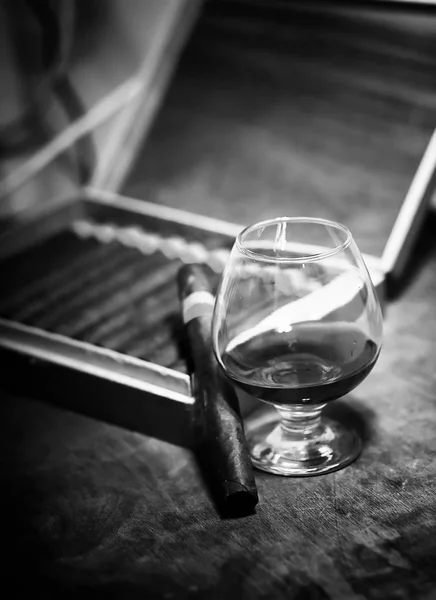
{"x":297,"y":324}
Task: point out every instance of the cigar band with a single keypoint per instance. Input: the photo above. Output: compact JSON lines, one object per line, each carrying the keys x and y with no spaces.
{"x":197,"y":304}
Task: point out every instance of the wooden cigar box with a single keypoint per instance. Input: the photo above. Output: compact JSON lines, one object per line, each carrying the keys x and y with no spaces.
{"x":89,"y":313}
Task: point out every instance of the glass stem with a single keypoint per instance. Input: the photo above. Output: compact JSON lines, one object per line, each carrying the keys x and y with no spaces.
{"x":300,"y":421}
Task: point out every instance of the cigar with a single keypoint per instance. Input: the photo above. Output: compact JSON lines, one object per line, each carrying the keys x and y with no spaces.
{"x":71,"y":289}
{"x":180,"y":366}
{"x":103,"y":301}
{"x":149,"y":279}
{"x":144,"y":319}
{"x":124,"y":324}
{"x":151,"y":341}
{"x":167,"y":355}
{"x":29,"y":265}
{"x":36,"y":276}
{"x":218,"y":426}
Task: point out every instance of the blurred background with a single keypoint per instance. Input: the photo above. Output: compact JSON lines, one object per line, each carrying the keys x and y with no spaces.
{"x":237,"y":109}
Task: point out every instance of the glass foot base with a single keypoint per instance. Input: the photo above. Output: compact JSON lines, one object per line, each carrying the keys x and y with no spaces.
{"x":277,"y":449}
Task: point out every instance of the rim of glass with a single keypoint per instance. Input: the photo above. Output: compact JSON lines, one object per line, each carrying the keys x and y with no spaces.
{"x":294,"y":259}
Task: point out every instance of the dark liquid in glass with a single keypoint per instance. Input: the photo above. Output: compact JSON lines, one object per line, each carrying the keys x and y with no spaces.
{"x":312,"y":363}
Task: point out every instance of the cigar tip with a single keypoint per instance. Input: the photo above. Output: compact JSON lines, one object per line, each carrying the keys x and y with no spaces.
{"x":239,"y":501}
{"x":200,"y":272}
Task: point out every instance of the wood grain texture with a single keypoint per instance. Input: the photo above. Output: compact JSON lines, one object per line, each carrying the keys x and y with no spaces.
{"x":93,"y":511}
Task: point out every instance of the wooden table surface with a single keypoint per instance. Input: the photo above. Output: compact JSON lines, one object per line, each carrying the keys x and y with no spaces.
{"x":91,"y":510}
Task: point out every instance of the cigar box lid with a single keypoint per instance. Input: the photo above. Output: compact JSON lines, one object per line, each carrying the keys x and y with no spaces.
{"x":409,"y":221}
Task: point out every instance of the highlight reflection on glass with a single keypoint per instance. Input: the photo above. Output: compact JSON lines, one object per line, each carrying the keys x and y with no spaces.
{"x":297,"y":323}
